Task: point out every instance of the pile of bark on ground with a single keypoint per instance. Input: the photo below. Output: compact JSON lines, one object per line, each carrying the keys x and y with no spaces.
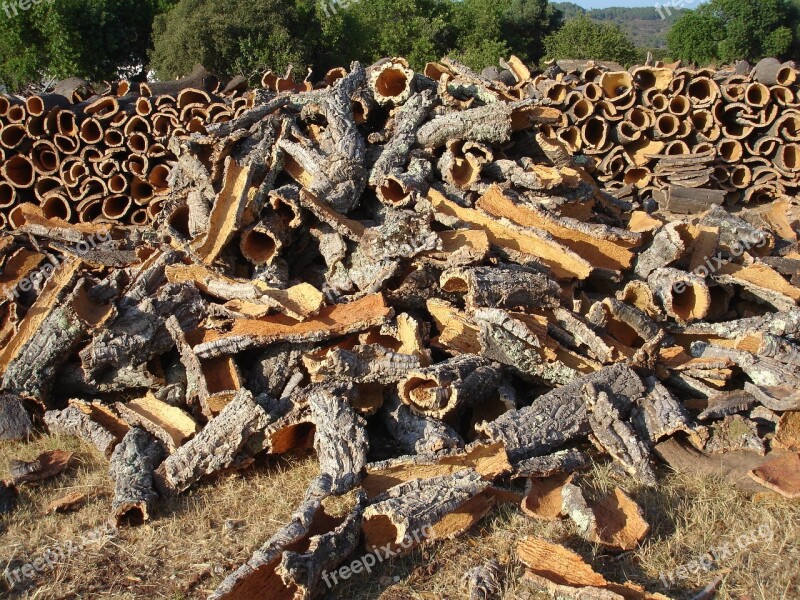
{"x":318,"y":278}
{"x":689,"y":137}
{"x":86,"y":157}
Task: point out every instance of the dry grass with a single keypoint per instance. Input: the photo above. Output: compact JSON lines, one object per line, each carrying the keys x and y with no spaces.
{"x":198,"y":538}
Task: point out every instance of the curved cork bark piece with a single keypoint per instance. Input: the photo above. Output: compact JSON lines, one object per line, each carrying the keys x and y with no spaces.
{"x":95,"y":423}
{"x":488,"y":460}
{"x":561,"y":415}
{"x":507,"y":287}
{"x":504,"y":233}
{"x":543,"y":496}
{"x":338,"y":319}
{"x":216,"y":446}
{"x":422,"y":507}
{"x":171,"y":425}
{"x":563,"y":461}
{"x":448,"y":387}
{"x":259,"y":576}
{"x":370,"y":363}
{"x":616,"y":436}
{"x":131,"y":468}
{"x":608,"y":247}
{"x":340,"y":438}
{"x":416,"y":434}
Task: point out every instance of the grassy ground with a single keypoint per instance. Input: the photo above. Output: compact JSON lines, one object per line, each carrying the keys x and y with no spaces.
{"x":195,"y":540}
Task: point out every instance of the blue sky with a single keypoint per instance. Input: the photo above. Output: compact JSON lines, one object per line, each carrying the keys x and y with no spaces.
{"x":608,"y":3}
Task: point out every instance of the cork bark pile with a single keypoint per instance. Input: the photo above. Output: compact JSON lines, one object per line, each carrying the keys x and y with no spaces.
{"x":416,"y":276}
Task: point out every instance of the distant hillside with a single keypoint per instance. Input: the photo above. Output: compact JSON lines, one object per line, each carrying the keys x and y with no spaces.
{"x":645,"y":25}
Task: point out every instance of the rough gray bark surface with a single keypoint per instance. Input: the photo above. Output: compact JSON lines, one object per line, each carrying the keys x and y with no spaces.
{"x":563,"y":461}
{"x":15,"y":422}
{"x":562,"y":415}
{"x":370,"y":363}
{"x":416,"y":434}
{"x":508,"y":287}
{"x":216,"y":446}
{"x":616,"y":436}
{"x":485,"y":582}
{"x":658,"y":414}
{"x":131,"y":468}
{"x":449,"y":386}
{"x":73,"y":421}
{"x":340,"y":438}
{"x":419,"y":504}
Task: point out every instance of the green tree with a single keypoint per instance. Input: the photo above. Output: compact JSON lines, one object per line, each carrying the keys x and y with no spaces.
{"x":419,"y":30}
{"x":96,"y":39}
{"x":233,"y":37}
{"x":728,"y":30}
{"x":584,"y":39}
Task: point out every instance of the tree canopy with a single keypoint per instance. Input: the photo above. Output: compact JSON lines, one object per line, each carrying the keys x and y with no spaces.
{"x":724,"y":31}
{"x":96,"y":39}
{"x":583,"y":38}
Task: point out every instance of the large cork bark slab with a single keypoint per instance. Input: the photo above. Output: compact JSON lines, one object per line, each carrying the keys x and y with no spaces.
{"x":216,"y":446}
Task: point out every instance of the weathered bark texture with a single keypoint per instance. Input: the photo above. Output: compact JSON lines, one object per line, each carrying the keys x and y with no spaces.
{"x":15,"y":422}
{"x":131,"y":468}
{"x":216,"y":446}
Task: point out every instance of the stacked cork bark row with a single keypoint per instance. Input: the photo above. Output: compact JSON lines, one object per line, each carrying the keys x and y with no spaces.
{"x":84,"y":157}
{"x":415,"y":276}
{"x":696,"y":135}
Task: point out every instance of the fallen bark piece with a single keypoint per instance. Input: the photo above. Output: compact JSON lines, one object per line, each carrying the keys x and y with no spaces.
{"x":616,"y":436}
{"x":445,"y":388}
{"x":216,"y":446}
{"x":658,"y":414}
{"x":488,"y":460}
{"x":15,"y":422}
{"x":305,"y":570}
{"x":563,"y":461}
{"x":614,"y":520}
{"x":543,"y":498}
{"x":172,"y":426}
{"x":340,"y":438}
{"x":557,"y":564}
{"x":727,"y":403}
{"x":46,"y":465}
{"x":560,"y":416}
{"x":94,"y":423}
{"x":339,"y":319}
{"x":68,"y":503}
{"x":259,"y":576}
{"x":8,"y":497}
{"x":416,"y":434}
{"x":781,"y":475}
{"x":485,"y":582}
{"x":734,"y":432}
{"x":131,"y":468}
{"x":501,"y":287}
{"x":787,"y":434}
{"x":422,"y":507}
{"x":733,"y":466}
{"x":564,"y":262}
